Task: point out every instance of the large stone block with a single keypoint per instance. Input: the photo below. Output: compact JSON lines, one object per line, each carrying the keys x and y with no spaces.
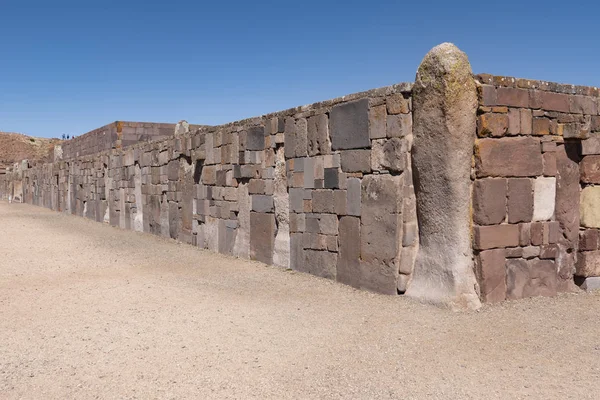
{"x":356,"y":161}
{"x":255,"y":139}
{"x":520,"y":200}
{"x":318,"y":135}
{"x":399,"y":125}
{"x":567,"y":192}
{"x":319,"y":263}
{"x":444,"y":126}
{"x":588,"y":264}
{"x":262,"y":237}
{"x":489,"y":201}
{"x":513,"y":97}
{"x":390,"y":154}
{"x":349,"y":124}
{"x":491,"y":273}
{"x":377,"y":122}
{"x":495,"y":236}
{"x":492,"y":124}
{"x":544,"y":198}
{"x":590,"y":169}
{"x":590,"y":207}
{"x":381,"y":232}
{"x":509,"y":156}
{"x":590,"y":146}
{"x":530,"y":278}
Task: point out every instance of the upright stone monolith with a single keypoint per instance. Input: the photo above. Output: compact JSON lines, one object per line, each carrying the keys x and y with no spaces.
{"x":444,"y":126}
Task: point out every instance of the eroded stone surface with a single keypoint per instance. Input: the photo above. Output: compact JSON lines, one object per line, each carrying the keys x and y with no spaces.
{"x":444,"y":125}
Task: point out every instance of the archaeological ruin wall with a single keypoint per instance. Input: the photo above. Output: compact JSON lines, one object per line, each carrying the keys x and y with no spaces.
{"x":456,"y":190}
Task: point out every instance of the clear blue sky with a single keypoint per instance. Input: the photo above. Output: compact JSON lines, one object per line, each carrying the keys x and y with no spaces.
{"x":72,"y":66}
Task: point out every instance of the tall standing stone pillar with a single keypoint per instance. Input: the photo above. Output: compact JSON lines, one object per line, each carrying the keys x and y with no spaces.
{"x":444,"y":126}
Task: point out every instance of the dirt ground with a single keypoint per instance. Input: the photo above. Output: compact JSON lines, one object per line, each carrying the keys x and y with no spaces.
{"x":89,"y":311}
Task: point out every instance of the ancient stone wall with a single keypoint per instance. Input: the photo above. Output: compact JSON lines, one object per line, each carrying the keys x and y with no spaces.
{"x":325,"y":189}
{"x":115,"y":135}
{"x":494,"y":195}
{"x":533,"y":139}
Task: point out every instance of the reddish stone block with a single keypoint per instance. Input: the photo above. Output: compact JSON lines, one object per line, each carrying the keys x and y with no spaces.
{"x":514,"y":121}
{"x":583,"y":105}
{"x":491,"y":274}
{"x":555,"y":102}
{"x":589,"y":168}
{"x":492,"y":124}
{"x":549,"y":164}
{"x":520,"y":200}
{"x":487,"y":95}
{"x":553,"y":229}
{"x":526,"y":121}
{"x":588,"y":263}
{"x":524,"y":234}
{"x":535,"y":98}
{"x":489,"y":201}
{"x":509,"y":156}
{"x":590,"y":146}
{"x":530,"y":278}
{"x":537,"y":233}
{"x":513,"y":97}
{"x":495,"y":236}
{"x":589,"y":240}
{"x":541,"y":126}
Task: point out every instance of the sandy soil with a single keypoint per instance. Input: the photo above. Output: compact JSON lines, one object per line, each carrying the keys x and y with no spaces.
{"x":90,"y":311}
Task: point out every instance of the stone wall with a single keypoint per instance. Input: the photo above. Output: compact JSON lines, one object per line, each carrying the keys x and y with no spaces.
{"x":325,"y":189}
{"x":496,"y":199}
{"x":533,"y":139}
{"x":116,"y":135}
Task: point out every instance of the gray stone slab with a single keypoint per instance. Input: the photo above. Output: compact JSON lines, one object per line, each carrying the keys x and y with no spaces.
{"x":349,"y":124}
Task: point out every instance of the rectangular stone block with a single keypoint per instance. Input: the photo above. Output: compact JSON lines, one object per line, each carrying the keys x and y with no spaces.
{"x":526,"y":121}
{"x":331,"y":178}
{"x":377,"y":122}
{"x":590,"y":146}
{"x":339,"y":199}
{"x":530,"y":278}
{"x":589,"y":208}
{"x":319,"y":263}
{"x":544,"y":197}
{"x":262,"y":237}
{"x":381,"y":231}
{"x":588,"y":264}
{"x":520,"y":200}
{"x":491,"y":274}
{"x":509,"y":156}
{"x":349,"y":123}
{"x":399,"y":125}
{"x":262,"y":203}
{"x":356,"y":161}
{"x":488,"y":95}
{"x":555,"y":101}
{"x":513,"y":97}
{"x":255,"y":139}
{"x":489,"y":201}
{"x":492,"y":124}
{"x":322,"y":201}
{"x":318,"y":135}
{"x":541,"y":126}
{"x":514,"y":121}
{"x":495,"y":236}
{"x":583,"y":105}
{"x":589,"y":240}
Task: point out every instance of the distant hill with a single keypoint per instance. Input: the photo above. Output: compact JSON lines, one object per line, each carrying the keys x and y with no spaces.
{"x":16,"y":147}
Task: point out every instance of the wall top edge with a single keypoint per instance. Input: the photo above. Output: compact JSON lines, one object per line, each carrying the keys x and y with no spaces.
{"x":523,"y":83}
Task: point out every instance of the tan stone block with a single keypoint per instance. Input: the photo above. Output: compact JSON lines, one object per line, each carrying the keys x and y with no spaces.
{"x":541,"y":126}
{"x":589,"y":207}
{"x":588,"y":263}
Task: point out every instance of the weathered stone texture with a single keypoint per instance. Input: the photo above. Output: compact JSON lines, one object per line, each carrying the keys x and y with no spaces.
{"x":508,"y":157}
{"x":489,"y":201}
{"x":444,"y":126}
{"x":349,"y":124}
{"x":491,"y":273}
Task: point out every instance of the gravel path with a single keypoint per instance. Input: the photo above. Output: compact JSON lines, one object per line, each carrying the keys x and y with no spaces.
{"x":90,"y":311}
